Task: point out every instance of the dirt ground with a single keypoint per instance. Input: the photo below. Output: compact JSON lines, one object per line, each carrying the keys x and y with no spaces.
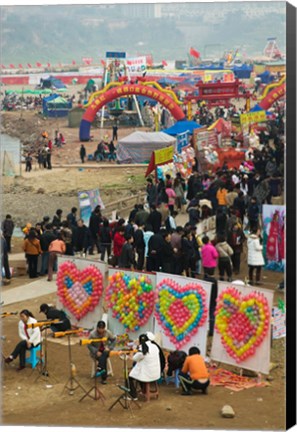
{"x":31,"y":399}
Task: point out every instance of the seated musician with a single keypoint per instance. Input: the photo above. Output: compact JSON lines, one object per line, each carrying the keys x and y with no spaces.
{"x":30,"y":338}
{"x":100,"y":350}
{"x":147,"y":365}
{"x":52,"y":313}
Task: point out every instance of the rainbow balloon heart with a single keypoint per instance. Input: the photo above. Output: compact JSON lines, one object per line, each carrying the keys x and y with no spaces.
{"x":242,"y":321}
{"x":79,"y":290}
{"x":131,"y":299}
{"x":180,"y":310}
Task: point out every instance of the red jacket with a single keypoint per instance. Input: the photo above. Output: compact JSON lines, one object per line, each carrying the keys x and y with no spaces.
{"x":118,"y":242}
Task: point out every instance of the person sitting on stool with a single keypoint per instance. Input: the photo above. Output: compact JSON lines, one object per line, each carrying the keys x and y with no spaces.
{"x":100,"y":350}
{"x":31,"y":338}
{"x":147,"y":365}
{"x":194,"y":374}
{"x":52,"y":313}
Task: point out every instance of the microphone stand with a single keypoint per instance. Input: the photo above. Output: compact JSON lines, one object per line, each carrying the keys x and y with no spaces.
{"x":97,"y":392}
{"x":43,"y":360}
{"x":125,"y":399}
{"x":71,"y":380}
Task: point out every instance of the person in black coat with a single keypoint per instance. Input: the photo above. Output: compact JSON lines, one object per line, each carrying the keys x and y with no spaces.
{"x":71,"y":218}
{"x":155,"y":219}
{"x":94,"y":224}
{"x":82,"y":153}
{"x":167,"y":253}
{"x":45,"y":240}
{"x":7,"y":229}
{"x":57,"y":219}
{"x":82,"y":238}
{"x":139,"y":246}
{"x":154,"y":259}
{"x":221,"y":222}
{"x":127,"y":257}
{"x":105,"y":239}
{"x":4,"y":258}
{"x":52,"y":313}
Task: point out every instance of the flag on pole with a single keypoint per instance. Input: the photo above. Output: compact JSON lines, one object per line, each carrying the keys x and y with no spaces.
{"x":48,"y":65}
{"x":73,"y":62}
{"x":194,"y":53}
{"x":20,"y":66}
{"x":164,"y":63}
{"x":38,"y":64}
{"x":29,"y":65}
{"x":12,"y":66}
{"x":103,"y":63}
{"x":3,"y":67}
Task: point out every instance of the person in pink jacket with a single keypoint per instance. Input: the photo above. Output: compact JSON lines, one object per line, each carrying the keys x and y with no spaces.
{"x":209,"y":256}
{"x":171,"y":198}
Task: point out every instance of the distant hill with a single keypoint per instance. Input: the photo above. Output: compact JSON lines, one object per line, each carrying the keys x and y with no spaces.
{"x":65,"y":33}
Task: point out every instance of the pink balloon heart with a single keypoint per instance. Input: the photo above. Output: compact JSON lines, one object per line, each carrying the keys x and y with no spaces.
{"x":79,"y":289}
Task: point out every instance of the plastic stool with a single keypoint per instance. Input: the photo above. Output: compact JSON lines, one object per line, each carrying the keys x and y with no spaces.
{"x":151,"y":389}
{"x":109,"y":368}
{"x":174,"y":378}
{"x":33,"y":359}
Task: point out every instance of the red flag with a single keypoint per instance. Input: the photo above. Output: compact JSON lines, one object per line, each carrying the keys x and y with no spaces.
{"x":29,"y":65}
{"x":48,"y":65}
{"x":164,"y":63}
{"x":3,"y":67}
{"x":73,"y":62}
{"x":38,"y":64}
{"x":12,"y":66}
{"x":103,"y":63}
{"x":194,"y":53}
{"x":20,"y":66}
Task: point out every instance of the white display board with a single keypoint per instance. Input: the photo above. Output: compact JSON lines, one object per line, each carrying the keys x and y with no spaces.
{"x":198,"y":338}
{"x":115,"y":326}
{"x":90,"y":320}
{"x":243,"y":319}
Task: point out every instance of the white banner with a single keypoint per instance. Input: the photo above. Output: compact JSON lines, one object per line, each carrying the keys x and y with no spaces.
{"x":136,"y":65}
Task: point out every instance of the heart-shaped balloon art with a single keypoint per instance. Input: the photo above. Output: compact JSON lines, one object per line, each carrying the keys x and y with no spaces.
{"x":131,"y":299}
{"x":180,"y":310}
{"x":79,"y":290}
{"x":242,"y":321}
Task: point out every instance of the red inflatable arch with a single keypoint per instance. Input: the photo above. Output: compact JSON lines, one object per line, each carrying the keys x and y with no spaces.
{"x":121,"y":91}
{"x":273,"y":96}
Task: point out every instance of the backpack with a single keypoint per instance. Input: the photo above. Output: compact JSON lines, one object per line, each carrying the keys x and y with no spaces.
{"x":175,"y":361}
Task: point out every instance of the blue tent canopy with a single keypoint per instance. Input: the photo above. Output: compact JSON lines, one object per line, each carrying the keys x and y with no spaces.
{"x":52,"y":82}
{"x":266,"y":77}
{"x":182,"y":126}
{"x":166,"y":81}
{"x":257,"y":108}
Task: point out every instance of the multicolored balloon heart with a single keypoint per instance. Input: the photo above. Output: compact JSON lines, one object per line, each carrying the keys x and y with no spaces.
{"x":180,"y":310}
{"x":242,"y":321}
{"x":79,"y":290}
{"x":131,"y":299}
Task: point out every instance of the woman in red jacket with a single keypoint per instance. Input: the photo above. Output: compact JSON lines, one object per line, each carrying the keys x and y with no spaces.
{"x":118,"y":243}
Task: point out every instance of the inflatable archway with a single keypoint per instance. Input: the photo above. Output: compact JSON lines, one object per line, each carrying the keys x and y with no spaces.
{"x":273,"y":96}
{"x":121,"y":91}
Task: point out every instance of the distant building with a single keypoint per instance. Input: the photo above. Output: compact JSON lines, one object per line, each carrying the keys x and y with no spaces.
{"x":140,"y":10}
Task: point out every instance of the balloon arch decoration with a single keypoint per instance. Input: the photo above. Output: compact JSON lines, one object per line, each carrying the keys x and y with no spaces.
{"x":116,"y":90}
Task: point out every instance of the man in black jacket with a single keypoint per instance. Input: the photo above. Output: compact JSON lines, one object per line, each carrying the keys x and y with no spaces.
{"x":45,"y":240}
{"x":82,"y":238}
{"x":7,"y":229}
{"x":94,"y":224}
{"x":139,"y":246}
{"x":154,"y":259}
{"x":52,"y":313}
{"x":127,"y":258}
{"x":155,"y":219}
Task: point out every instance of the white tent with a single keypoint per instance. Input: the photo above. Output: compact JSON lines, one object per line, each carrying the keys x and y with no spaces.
{"x":138,"y":147}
